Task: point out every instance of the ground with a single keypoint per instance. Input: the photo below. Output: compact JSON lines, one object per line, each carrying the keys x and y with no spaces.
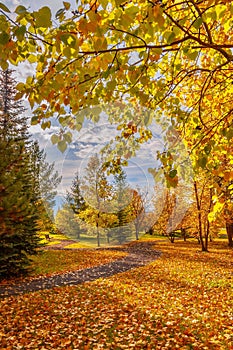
{"x":182,"y":300}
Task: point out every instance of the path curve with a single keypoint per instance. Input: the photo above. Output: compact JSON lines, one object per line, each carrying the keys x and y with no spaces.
{"x":139,"y":254}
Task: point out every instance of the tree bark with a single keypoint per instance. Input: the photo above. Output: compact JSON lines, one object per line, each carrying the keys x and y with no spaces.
{"x":97,"y":230}
{"x":229,"y":229}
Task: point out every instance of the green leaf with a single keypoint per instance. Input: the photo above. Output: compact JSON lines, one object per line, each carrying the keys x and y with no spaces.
{"x":32,"y":58}
{"x":207,"y":149}
{"x":96,"y":110}
{"x":62,"y":146}
{"x":43,"y":17}
{"x":104,"y":3}
{"x":4,"y":8}
{"x":20,"y":86}
{"x":192,"y":55}
{"x":229,"y":134}
{"x":231,"y":9}
{"x":20,"y":9}
{"x":59,"y":13}
{"x":46,"y":125}
{"x":4,"y":65}
{"x":68,"y":137}
{"x":172,"y":173}
{"x":78,"y":126}
{"x":202,"y":162}
{"x":197,"y":23}
{"x":34,"y":120}
{"x":147,"y":119}
{"x":100,"y":44}
{"x":169,"y":36}
{"x":4,"y":38}
{"x":55,"y":139}
{"x":119,"y":2}
{"x":20,"y":31}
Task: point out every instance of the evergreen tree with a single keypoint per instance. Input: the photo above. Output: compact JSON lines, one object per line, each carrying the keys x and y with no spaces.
{"x":13,"y":124}
{"x":123,"y":195}
{"x":76,"y":202}
{"x":18,"y":216}
{"x":67,"y":222}
{"x":46,"y":180}
{"x":74,"y":196}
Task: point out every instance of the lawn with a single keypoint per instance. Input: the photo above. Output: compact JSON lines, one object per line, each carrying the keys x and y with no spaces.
{"x":58,"y":261}
{"x":183,"y":300}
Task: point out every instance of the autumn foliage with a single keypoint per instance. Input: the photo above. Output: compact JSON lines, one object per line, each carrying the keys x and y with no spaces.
{"x":183,"y":300}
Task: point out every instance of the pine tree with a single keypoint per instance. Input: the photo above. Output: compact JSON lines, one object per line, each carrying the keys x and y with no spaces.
{"x":18,"y":216}
{"x":76,"y":202}
{"x":123,"y":194}
{"x":46,"y":180}
{"x":74,"y":196}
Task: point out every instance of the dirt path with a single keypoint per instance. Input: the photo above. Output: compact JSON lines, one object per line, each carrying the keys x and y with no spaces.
{"x":139,"y":254}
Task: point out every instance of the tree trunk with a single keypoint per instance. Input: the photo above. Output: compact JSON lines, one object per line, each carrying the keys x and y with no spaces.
{"x":136,"y":232}
{"x":183,"y":233}
{"x":171,"y":237}
{"x":98,"y":236}
{"x":229,"y":229}
{"x":203,"y":243}
{"x":97,"y":231}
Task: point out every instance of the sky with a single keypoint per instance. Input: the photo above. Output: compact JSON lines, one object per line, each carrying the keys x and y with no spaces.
{"x":91,"y":138}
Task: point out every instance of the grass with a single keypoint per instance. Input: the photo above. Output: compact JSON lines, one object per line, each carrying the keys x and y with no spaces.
{"x":183,"y":300}
{"x":56,"y":238}
{"x":88,"y":242}
{"x":58,"y":261}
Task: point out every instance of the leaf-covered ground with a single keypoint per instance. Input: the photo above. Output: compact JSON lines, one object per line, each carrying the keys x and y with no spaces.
{"x":183,"y":300}
{"x":50,"y":262}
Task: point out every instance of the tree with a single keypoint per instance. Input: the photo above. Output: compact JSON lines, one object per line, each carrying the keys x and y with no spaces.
{"x":163,"y":224}
{"x":170,"y":57}
{"x":223,"y":199}
{"x":13,"y":124}
{"x":122,"y":207}
{"x":177,"y":46}
{"x":46,"y":180}
{"x":18,"y":219}
{"x":137,"y":209}
{"x":76,"y":201}
{"x":97,"y":194}
{"x":68,"y":222}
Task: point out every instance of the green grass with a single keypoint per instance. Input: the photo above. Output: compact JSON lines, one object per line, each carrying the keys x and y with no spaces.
{"x":57,"y":261}
{"x":55,"y":238}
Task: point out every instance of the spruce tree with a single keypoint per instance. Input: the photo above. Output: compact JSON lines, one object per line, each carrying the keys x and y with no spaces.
{"x":74,"y":196}
{"x":123,"y":194}
{"x":18,"y":215}
{"x":76,"y":202}
{"x":46,"y":180}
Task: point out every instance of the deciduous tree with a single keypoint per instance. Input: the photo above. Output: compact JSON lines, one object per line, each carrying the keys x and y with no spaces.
{"x":171,"y":57}
{"x":97,"y":193}
{"x":174,"y":56}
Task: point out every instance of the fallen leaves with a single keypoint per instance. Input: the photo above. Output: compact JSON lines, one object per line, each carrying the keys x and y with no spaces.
{"x":183,"y":300}
{"x":51,"y":262}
